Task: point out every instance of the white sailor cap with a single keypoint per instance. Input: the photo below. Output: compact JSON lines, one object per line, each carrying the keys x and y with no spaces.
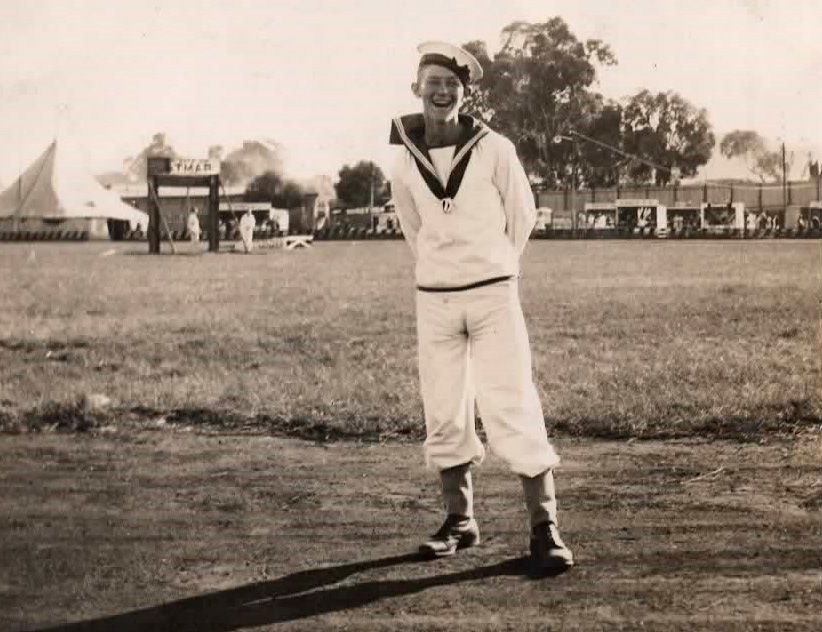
{"x":456,"y":59}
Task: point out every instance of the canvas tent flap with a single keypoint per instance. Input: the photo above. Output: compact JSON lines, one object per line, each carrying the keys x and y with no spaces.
{"x":30,"y":195}
{"x":57,"y":186}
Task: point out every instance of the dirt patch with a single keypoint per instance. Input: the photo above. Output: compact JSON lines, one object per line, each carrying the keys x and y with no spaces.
{"x":174,"y":530}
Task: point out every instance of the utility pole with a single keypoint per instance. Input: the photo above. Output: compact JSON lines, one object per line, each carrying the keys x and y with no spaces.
{"x":574,"y":166}
{"x":784,"y":178}
{"x":371,"y":199}
{"x":574,"y":183}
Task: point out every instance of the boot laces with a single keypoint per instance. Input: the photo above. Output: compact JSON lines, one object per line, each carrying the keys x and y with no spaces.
{"x":452,"y":526}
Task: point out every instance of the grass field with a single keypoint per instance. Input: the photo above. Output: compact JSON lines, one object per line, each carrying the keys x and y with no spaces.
{"x":682,"y":382}
{"x":631,"y":339}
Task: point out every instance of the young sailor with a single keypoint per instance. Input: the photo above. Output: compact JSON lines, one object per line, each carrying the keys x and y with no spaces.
{"x":466,"y":210}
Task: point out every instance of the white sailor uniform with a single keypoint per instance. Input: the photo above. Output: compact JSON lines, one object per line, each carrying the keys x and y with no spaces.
{"x":193,"y":227}
{"x":467,"y":233}
{"x":247,"y":225}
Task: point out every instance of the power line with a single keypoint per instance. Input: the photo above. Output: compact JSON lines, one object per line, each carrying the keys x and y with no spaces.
{"x":642,"y":160}
{"x":620,"y":152}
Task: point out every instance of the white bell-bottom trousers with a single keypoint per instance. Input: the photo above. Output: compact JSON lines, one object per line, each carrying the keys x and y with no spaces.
{"x":474,"y":347}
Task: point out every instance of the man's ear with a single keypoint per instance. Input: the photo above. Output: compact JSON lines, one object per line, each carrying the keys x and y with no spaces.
{"x":468,"y":90}
{"x":415,"y":89}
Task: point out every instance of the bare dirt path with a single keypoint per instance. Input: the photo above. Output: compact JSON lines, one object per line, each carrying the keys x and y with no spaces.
{"x":174,"y":530}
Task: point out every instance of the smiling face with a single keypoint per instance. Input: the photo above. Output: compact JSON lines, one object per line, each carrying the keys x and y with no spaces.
{"x":441,"y":92}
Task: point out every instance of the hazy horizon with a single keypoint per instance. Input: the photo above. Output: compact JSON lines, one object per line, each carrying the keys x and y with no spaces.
{"x":324,"y":78}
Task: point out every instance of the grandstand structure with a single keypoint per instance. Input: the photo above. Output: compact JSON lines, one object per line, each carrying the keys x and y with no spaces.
{"x":691,"y":210}
{"x":756,"y":197}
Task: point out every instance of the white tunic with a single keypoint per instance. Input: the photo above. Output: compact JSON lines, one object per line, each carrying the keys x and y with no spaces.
{"x":247,"y":224}
{"x":485,"y":232}
{"x":473,"y":343}
{"x":193,"y":226}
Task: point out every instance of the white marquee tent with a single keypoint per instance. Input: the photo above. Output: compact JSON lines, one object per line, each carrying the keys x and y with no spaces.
{"x":56,"y":194}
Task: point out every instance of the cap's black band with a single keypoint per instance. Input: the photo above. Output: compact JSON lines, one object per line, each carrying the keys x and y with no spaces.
{"x":462,"y":72}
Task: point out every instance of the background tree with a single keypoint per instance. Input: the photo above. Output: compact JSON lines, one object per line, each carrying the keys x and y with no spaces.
{"x":477,"y":98}
{"x":272,"y":187}
{"x":136,"y":168}
{"x":538,"y":87}
{"x":229,"y":173}
{"x":752,"y":149}
{"x":600,"y":167}
{"x":254,"y":158}
{"x":264,"y":188}
{"x":357,"y":184}
{"x":290,"y":196}
{"x":667,"y":130}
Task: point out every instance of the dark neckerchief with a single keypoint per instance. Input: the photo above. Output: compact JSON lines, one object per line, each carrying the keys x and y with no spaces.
{"x":409,"y":130}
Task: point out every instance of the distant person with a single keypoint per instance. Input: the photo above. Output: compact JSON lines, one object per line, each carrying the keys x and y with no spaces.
{"x":193,"y":226}
{"x":466,"y":209}
{"x":247,"y":225}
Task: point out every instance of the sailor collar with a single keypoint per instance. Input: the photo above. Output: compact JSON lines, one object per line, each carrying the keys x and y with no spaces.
{"x":409,"y":130}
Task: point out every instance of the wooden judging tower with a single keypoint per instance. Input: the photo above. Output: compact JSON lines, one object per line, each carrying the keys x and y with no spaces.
{"x":183,"y":172}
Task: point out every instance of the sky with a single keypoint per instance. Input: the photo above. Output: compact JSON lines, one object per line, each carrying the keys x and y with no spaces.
{"x":324,"y":78}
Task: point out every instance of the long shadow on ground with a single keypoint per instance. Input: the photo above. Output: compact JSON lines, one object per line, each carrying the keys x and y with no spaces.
{"x":295,"y":596}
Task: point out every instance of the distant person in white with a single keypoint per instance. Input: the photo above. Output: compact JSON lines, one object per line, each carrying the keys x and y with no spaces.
{"x":193,"y":226}
{"x":466,"y":210}
{"x":247,"y":225}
